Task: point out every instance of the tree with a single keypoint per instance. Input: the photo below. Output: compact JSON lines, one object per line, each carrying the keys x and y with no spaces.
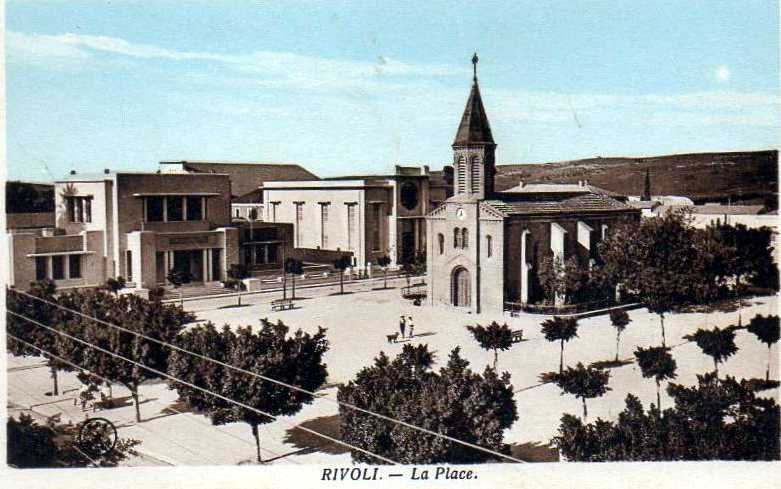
{"x":455,"y":401}
{"x":31,"y":445}
{"x":560,"y":329}
{"x":766,"y":329}
{"x":560,"y":279}
{"x":177,"y":278}
{"x":493,"y":337}
{"x":383,"y":261}
{"x":656,"y":362}
{"x":155,"y":320}
{"x":583,"y":382}
{"x":293,"y":359}
{"x":294,"y":267}
{"x":619,"y":319}
{"x":42,"y":312}
{"x":237,"y":273}
{"x":114,"y":285}
{"x":341,"y":264}
{"x":717,"y":343}
{"x":714,"y":420}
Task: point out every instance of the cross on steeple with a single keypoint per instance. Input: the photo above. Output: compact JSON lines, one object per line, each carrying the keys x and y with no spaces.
{"x":475,"y":59}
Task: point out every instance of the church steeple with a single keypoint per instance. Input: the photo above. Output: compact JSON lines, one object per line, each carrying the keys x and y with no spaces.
{"x":474,"y":147}
{"x":474,"y":127}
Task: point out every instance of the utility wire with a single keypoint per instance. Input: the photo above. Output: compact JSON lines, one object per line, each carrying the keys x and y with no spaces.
{"x":278,"y":382}
{"x":206,"y":391}
{"x":192,"y":419}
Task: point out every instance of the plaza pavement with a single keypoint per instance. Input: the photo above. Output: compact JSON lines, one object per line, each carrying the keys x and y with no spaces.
{"x":357,"y":326}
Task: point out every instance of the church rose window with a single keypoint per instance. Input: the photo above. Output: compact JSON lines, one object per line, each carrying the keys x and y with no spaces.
{"x":409,"y":195}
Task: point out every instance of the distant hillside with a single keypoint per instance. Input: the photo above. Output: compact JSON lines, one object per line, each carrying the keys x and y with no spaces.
{"x":741,"y":176}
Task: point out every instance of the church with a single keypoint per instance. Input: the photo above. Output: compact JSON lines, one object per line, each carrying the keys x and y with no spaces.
{"x":485,"y":247}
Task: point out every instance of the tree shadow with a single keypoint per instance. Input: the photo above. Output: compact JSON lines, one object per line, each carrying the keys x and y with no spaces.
{"x":534,"y":452}
{"x":341,"y":293}
{"x":427,"y":333}
{"x":383,"y":288}
{"x":723,"y":305}
{"x":304,"y":440}
{"x":605,"y":364}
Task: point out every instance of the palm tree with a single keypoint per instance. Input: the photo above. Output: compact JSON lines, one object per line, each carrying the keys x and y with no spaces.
{"x":620,"y":319}
{"x":767,"y":331}
{"x":656,"y":362}
{"x":341,"y":265}
{"x":583,"y":382}
{"x":294,"y":267}
{"x":716,"y":343}
{"x":560,"y":329}
{"x":383,"y":261}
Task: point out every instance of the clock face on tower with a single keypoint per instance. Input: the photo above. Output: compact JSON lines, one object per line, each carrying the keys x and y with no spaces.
{"x":461,"y":213}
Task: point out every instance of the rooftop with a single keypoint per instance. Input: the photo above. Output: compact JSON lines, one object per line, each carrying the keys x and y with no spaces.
{"x":589,"y":202}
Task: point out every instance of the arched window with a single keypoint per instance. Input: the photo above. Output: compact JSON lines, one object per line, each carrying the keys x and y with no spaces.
{"x":474,"y":175}
{"x":461,"y":175}
{"x":488,"y":244}
{"x":441,"y":242}
{"x":457,"y":238}
{"x":464,"y":238}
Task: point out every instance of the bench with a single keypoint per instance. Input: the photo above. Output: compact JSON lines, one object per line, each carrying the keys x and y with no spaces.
{"x":517,"y":336}
{"x":281,"y":304}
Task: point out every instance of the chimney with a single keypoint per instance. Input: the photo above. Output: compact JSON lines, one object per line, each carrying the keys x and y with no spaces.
{"x":521,"y":184}
{"x":106,"y":171}
{"x":73,"y":172}
{"x":426,"y":170}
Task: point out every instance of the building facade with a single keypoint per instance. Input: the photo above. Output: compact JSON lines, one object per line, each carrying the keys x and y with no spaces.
{"x":484,"y":248}
{"x":368,"y":216}
{"x":135,"y":225}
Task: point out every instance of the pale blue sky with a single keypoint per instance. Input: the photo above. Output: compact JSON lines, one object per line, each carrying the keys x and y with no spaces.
{"x":346,"y":87}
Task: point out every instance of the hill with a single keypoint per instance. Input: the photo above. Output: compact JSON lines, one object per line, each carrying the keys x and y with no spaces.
{"x":703,"y":177}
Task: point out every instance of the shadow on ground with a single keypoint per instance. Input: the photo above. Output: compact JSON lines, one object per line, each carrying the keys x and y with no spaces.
{"x":603,"y":364}
{"x":327,"y":425}
{"x":534,"y":452}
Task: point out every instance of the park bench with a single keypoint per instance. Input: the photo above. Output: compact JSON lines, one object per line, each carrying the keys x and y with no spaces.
{"x":517,"y":336}
{"x":281,"y":304}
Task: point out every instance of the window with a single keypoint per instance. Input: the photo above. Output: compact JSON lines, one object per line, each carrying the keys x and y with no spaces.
{"x":129,"y":265}
{"x":74,"y":266}
{"x":604,"y":231}
{"x":58,"y":267}
{"x":457,"y":238}
{"x":464,"y":238}
{"x":441,"y":243}
{"x":40,"y":267}
{"x":79,"y":209}
{"x":253,"y":214}
{"x":194,"y":208}
{"x":174,"y":209}
{"x":488,"y":246}
{"x":377,"y":229}
{"x":299,"y":221}
{"x":409,"y":195}
{"x":351,"y":226}
{"x":461,"y":175}
{"x":154,"y":209}
{"x":237,"y":213}
{"x":324,"y":225}
{"x":474,"y":174}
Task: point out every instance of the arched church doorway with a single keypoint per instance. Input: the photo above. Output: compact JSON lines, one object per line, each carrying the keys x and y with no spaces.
{"x":461,"y":291}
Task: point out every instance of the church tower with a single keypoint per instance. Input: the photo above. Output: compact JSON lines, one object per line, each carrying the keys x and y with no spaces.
{"x":474,"y":148}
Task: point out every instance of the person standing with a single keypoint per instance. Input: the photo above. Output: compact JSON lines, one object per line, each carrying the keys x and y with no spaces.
{"x":411,"y":328}
{"x":402,"y":326}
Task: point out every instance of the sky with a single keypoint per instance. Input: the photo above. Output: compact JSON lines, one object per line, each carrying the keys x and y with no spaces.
{"x":347,"y":87}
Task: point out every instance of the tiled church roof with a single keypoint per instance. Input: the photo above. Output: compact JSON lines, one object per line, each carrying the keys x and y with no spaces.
{"x":580,"y":203}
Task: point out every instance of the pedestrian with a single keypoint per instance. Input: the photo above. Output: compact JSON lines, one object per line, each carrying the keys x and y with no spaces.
{"x":411,"y":328}
{"x":402,"y":326}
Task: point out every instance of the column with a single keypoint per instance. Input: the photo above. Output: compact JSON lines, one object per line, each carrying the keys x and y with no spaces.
{"x":205,"y":263}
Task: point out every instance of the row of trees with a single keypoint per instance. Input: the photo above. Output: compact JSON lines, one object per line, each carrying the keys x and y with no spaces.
{"x":664,"y":263}
{"x":717,"y":419}
{"x":270,"y":351}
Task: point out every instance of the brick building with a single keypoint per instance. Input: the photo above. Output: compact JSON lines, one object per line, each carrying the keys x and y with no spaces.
{"x":485,"y":247}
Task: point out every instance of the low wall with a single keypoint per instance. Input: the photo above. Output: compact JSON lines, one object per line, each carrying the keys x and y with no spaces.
{"x":312,"y":255}
{"x":29,"y":220}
